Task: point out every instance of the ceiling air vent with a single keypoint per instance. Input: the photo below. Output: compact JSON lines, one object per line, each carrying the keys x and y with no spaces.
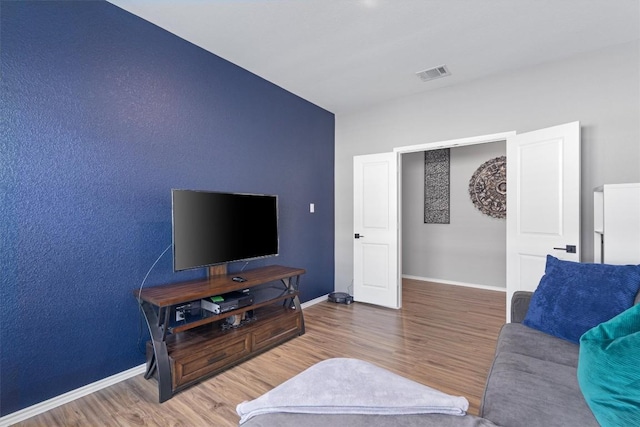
{"x":433,"y":73}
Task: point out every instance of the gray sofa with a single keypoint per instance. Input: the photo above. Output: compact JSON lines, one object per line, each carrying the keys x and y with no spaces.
{"x":532,"y":382}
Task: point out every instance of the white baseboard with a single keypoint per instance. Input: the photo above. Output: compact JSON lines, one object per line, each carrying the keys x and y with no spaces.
{"x":451,"y":282}
{"x":314,"y":301}
{"x":47,"y":405}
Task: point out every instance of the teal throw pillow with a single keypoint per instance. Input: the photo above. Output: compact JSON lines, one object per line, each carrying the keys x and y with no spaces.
{"x":609,"y":369}
{"x":573,"y":297}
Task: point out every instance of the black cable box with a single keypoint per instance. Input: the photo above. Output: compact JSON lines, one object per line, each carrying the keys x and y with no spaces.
{"x":227,"y":302}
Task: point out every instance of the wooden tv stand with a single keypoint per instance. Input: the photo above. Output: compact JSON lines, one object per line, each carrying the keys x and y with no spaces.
{"x":201,"y":344}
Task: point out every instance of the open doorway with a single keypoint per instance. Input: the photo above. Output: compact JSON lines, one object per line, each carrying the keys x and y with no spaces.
{"x":402,"y":151}
{"x":468,"y":248}
{"x":544,"y":207}
{"x":377,"y":220}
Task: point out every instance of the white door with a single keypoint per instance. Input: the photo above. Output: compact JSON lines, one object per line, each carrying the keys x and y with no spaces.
{"x":543,"y":203}
{"x":376,"y":276}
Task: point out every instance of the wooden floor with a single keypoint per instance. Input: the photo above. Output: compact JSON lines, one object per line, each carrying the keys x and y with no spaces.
{"x":444,"y":337}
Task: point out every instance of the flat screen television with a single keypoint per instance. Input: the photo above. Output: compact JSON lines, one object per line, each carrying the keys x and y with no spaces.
{"x":211,"y":228}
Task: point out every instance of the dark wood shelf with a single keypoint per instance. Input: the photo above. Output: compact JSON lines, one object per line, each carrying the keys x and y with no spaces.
{"x":262,"y":297}
{"x":175,"y":293}
{"x":182,"y":353}
{"x":184,"y":343}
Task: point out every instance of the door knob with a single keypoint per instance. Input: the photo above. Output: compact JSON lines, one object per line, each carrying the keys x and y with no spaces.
{"x":358,"y":235}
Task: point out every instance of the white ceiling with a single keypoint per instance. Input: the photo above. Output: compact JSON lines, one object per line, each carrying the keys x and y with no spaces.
{"x":344,"y":55}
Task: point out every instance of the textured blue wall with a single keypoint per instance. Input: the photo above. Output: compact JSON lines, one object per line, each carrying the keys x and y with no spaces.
{"x":103,"y":113}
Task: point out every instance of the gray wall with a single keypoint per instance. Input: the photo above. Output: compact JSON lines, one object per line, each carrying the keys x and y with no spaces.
{"x":471,"y":249}
{"x":600,"y":89}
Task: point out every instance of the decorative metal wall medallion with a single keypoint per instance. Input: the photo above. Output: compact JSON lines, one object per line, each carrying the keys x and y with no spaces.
{"x":488,"y":187}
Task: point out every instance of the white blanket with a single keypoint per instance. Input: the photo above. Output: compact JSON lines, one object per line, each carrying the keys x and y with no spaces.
{"x":350,"y":386}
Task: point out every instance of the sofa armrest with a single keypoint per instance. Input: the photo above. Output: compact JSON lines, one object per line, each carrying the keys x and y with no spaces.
{"x":519,"y":305}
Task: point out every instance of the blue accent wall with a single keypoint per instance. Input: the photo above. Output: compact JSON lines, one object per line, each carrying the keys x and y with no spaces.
{"x":102,"y":114}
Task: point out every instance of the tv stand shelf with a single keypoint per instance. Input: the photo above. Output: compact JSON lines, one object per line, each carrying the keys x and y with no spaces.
{"x":184,"y":352}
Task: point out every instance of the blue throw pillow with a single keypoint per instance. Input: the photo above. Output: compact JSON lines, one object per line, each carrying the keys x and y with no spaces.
{"x":609,"y":369}
{"x":574,"y":297}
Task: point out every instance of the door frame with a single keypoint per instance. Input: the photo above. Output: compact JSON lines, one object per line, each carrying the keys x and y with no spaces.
{"x":451,"y":143}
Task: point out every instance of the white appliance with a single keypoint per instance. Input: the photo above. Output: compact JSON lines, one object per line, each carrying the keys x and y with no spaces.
{"x":616,"y":220}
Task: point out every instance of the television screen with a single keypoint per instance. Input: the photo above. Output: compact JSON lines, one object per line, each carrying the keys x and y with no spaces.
{"x":213,"y":228}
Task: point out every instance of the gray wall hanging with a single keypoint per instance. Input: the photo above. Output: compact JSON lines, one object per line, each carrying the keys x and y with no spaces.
{"x":436,"y":186}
